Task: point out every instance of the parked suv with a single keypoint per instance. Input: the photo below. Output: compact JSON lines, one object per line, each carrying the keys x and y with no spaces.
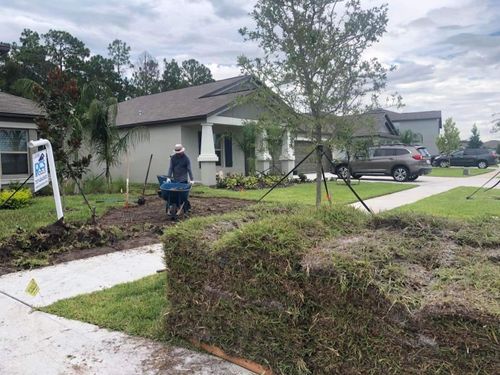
{"x":470,"y":157}
{"x":403,"y":163}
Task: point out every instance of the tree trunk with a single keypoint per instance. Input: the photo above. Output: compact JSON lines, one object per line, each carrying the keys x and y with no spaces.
{"x":319,"y":158}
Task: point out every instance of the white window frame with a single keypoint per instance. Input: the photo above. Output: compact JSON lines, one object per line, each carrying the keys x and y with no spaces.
{"x":9,"y":176}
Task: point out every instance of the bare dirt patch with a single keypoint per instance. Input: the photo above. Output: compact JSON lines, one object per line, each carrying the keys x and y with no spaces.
{"x":120,"y":228}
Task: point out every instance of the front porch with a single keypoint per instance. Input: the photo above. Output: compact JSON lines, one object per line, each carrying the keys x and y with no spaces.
{"x":219,"y":152}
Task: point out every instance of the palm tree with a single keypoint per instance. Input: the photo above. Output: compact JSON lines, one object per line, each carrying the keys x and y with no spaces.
{"x":107,"y":141}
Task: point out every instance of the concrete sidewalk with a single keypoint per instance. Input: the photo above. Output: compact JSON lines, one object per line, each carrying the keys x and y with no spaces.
{"x":427,"y":186}
{"x":32,"y":342}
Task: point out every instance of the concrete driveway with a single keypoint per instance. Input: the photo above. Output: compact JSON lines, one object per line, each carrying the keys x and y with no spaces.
{"x":427,"y":186}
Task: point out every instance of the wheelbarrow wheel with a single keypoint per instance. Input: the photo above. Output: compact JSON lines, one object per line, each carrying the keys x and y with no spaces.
{"x":172,"y":211}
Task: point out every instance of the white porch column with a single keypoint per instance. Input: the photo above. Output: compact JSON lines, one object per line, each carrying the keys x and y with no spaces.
{"x":287,"y":157}
{"x":207,"y":157}
{"x":262,"y":156}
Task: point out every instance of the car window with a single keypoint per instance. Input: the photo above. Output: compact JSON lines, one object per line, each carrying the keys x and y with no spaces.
{"x":383,"y":152}
{"x":401,"y":151}
{"x":458,"y":153}
{"x":424,"y":152}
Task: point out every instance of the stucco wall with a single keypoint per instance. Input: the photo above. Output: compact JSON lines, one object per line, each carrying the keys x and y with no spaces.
{"x":428,"y":128}
{"x":162,"y":140}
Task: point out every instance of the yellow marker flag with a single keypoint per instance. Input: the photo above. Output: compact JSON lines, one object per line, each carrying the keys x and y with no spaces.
{"x":32,"y":289}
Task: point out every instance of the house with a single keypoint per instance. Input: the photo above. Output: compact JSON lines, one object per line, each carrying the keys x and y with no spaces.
{"x":17,"y":128}
{"x":427,"y":124}
{"x":206,"y":119}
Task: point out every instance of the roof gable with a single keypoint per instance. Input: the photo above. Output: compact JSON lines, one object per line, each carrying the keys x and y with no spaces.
{"x":17,"y":106}
{"x":183,"y":104}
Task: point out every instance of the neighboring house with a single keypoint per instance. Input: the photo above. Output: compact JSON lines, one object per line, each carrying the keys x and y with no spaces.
{"x":375,"y":124}
{"x":427,"y":124}
{"x":205,"y":119}
{"x":17,"y":128}
{"x":493,"y":144}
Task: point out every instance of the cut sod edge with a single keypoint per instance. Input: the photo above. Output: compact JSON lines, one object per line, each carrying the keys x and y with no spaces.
{"x":242,"y":362}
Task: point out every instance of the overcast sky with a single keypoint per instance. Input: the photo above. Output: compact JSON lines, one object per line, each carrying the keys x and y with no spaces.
{"x":447,"y":51}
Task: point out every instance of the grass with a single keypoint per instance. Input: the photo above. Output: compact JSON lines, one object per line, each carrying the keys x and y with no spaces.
{"x":453,"y":203}
{"x":305,"y":193}
{"x":135,"y":308}
{"x":458,"y":171}
{"x":42,"y":212}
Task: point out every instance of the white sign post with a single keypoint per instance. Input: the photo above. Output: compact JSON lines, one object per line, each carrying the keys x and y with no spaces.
{"x":40,"y":160}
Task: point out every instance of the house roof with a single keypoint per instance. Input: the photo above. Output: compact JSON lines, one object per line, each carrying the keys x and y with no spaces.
{"x":382,"y":125}
{"x":182,"y":104}
{"x":16,"y":106}
{"x":491,"y":144}
{"x":410,"y":116}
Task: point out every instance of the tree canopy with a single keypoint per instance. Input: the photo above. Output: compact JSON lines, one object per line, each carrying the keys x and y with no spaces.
{"x":475,"y":139}
{"x":449,"y":140}
{"x":314,"y":62}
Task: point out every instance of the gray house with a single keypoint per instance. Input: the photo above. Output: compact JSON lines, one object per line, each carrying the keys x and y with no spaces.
{"x":428,"y":124}
{"x":206,"y":119}
{"x":17,"y":128}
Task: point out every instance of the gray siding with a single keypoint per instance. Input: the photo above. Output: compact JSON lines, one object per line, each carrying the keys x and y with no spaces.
{"x":243,"y":111}
{"x":428,"y":128}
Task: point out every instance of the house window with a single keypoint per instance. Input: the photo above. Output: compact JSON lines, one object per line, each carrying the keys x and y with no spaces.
{"x":224,"y":150}
{"x":14,"y":151}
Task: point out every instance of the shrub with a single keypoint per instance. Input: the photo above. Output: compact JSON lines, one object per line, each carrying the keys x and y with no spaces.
{"x":21,"y":199}
{"x":240,"y":182}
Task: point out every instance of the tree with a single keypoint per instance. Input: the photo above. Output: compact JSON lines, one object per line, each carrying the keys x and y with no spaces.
{"x":146,"y":75}
{"x":119,"y":53}
{"x":409,"y":138}
{"x":100,"y":70}
{"x":314,"y":61}
{"x":172,"y":76}
{"x":246,"y":139}
{"x":107,"y":142}
{"x":65,"y":51}
{"x":194,"y":73}
{"x":61,"y":124}
{"x":449,"y":140}
{"x":475,"y":140}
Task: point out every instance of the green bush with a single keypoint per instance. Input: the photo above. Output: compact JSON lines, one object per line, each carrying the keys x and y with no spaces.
{"x":241,"y":182}
{"x":21,"y":199}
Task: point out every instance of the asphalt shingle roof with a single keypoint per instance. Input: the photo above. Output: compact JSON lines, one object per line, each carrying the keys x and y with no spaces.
{"x":18,"y":106}
{"x":409,"y":116}
{"x":181,"y":104}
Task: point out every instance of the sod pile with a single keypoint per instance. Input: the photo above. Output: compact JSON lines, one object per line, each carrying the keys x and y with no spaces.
{"x":336,"y":292}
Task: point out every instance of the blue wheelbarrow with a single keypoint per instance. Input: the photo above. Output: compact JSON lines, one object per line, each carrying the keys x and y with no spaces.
{"x":176,"y":196}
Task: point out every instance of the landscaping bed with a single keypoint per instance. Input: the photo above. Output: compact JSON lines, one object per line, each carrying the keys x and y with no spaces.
{"x":118,"y":229}
{"x":337,"y":292}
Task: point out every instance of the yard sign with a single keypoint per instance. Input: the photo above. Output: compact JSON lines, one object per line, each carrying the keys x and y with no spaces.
{"x":40,"y":170}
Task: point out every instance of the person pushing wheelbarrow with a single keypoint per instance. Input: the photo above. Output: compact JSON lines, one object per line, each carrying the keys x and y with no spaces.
{"x":175,"y":186}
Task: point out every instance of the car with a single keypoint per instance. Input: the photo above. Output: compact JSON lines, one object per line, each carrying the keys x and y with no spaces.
{"x":402,"y":162}
{"x":469,"y":157}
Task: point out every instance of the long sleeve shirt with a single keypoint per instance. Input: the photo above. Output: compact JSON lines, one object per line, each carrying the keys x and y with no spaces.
{"x":180,"y":168}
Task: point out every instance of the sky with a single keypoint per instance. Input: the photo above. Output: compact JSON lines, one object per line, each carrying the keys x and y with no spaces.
{"x":447,"y":52}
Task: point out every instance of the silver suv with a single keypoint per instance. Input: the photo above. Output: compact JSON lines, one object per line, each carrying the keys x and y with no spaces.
{"x":403,"y":163}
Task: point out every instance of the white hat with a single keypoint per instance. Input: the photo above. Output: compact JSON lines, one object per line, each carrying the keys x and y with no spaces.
{"x":179,"y":148}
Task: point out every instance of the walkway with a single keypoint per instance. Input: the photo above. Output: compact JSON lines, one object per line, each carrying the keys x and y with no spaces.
{"x":33,"y":342}
{"x":427,"y":186}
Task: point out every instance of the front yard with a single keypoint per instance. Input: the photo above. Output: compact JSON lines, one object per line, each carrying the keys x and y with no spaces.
{"x":453,"y":203}
{"x":305,"y":193}
{"x":458,"y":171}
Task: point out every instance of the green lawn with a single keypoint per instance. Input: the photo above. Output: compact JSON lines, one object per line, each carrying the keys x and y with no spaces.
{"x":42,"y":211}
{"x":135,"y":308}
{"x":453,"y":203}
{"x":305,"y":193}
{"x":458,"y":171}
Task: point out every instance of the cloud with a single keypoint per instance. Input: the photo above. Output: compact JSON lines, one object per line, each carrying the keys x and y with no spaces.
{"x":229,"y":8}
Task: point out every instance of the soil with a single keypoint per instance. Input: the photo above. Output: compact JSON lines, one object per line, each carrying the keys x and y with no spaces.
{"x":119,"y":229}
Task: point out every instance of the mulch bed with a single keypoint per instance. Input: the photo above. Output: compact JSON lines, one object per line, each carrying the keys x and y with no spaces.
{"x":119,"y":229}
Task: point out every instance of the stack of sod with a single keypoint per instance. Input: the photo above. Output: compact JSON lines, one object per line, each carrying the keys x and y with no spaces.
{"x":333,"y":291}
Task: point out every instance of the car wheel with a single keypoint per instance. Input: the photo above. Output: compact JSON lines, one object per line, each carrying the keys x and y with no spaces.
{"x":444,"y":163}
{"x":343,"y":171}
{"x":400,"y":174}
{"x":482,"y":164}
{"x":413,"y":178}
